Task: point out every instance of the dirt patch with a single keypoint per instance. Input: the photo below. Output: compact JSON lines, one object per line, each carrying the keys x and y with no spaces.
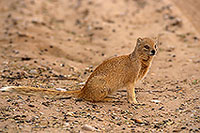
{"x":58,"y":43}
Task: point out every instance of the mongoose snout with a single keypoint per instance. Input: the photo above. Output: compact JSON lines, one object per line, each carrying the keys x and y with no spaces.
{"x":153,"y":52}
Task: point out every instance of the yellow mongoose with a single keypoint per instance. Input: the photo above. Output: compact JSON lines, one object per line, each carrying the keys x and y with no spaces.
{"x":108,"y":77}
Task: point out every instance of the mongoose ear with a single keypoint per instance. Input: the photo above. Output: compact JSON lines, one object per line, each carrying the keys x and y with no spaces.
{"x":157,"y":40}
{"x":139,"y":41}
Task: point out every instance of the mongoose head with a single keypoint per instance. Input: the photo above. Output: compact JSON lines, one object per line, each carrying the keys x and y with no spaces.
{"x":146,"y":48}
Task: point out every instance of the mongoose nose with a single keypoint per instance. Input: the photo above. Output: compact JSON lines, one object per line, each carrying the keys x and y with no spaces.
{"x":152,"y":52}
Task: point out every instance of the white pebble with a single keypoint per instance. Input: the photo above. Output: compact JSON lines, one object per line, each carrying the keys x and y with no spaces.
{"x":155,"y":101}
{"x":88,"y":128}
{"x":67,"y":124}
{"x":60,"y":89}
{"x":82,"y":83}
{"x":33,"y":72}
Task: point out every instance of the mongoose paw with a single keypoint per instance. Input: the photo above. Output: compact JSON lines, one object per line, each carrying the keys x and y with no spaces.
{"x":133,"y":101}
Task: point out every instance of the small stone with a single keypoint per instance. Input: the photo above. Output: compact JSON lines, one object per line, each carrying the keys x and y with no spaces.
{"x":30,"y":105}
{"x":70,"y":114}
{"x":62,"y":65}
{"x":161,"y":108}
{"x":82,"y":83}
{"x":88,"y":128}
{"x":138,"y":121}
{"x":33,"y":72}
{"x":60,"y":89}
{"x":170,"y":123}
{"x":25,"y":58}
{"x":67,"y":124}
{"x":16,"y":117}
{"x":16,"y":51}
{"x":155,"y":101}
{"x":9,"y":100}
{"x":183,"y":127}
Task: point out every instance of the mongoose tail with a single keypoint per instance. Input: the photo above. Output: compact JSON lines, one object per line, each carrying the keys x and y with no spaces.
{"x":33,"y":91}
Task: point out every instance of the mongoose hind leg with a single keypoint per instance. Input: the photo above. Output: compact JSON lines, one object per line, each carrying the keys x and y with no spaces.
{"x":95,"y":90}
{"x":109,"y":99}
{"x":97,"y":95}
{"x":131,"y":93}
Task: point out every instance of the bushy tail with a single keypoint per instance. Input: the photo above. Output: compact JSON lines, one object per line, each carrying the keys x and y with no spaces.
{"x":26,"y":90}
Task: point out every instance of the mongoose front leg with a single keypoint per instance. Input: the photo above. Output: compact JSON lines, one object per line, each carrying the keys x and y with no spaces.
{"x":131,"y":93}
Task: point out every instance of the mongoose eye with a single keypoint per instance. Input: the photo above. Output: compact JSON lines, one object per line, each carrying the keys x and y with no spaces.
{"x":146,"y":46}
{"x":155,"y":46}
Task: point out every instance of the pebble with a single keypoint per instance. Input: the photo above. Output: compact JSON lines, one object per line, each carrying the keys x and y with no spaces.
{"x":33,"y":71}
{"x":155,"y":101}
{"x":30,"y":105}
{"x":82,"y":83}
{"x":138,"y":121}
{"x":62,"y":65}
{"x":70,"y":114}
{"x":16,"y":51}
{"x":60,"y":89}
{"x":88,"y":127}
{"x":67,"y":124}
{"x":170,"y":123}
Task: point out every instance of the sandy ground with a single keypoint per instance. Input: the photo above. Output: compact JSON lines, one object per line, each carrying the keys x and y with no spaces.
{"x":58,"y":43}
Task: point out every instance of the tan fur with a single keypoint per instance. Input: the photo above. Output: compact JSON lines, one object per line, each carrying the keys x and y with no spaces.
{"x":108,"y":77}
